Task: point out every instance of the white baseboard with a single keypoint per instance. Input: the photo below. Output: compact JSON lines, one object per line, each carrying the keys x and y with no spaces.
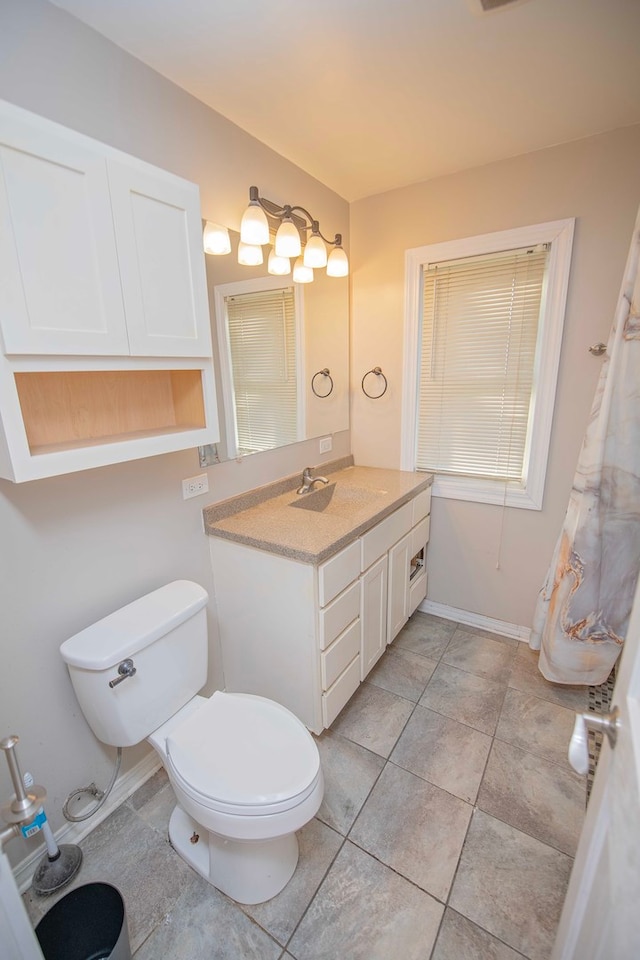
{"x":470,"y":619}
{"x":124,"y":786}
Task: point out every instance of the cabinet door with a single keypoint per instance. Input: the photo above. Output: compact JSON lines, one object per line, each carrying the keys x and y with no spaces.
{"x":159,"y":240}
{"x":60,"y":286}
{"x":399,"y":558}
{"x":373,"y":614}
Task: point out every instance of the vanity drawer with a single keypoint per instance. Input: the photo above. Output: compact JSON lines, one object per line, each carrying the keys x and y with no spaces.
{"x":420,"y":535}
{"x":345,"y":686}
{"x":334,"y":618}
{"x":385,"y":534}
{"x":338,"y":572}
{"x":340,"y":654}
{"x":421,"y":506}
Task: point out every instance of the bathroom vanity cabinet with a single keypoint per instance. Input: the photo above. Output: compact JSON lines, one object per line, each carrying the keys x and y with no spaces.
{"x":306,"y":635}
{"x":104,"y":321}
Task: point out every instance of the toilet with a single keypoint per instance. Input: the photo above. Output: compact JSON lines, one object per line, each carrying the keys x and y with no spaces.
{"x":245,"y":771}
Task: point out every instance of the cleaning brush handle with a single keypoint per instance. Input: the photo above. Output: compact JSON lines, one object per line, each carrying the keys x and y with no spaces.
{"x":8,"y":744}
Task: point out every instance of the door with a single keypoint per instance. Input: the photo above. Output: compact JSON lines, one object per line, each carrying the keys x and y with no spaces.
{"x":601,"y":915}
{"x":373,"y":614}
{"x":399,"y":559}
{"x":60,"y":291}
{"x":159,"y":238}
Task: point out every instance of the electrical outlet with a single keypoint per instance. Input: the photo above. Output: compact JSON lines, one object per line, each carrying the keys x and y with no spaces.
{"x":326,"y":444}
{"x":194,"y":486}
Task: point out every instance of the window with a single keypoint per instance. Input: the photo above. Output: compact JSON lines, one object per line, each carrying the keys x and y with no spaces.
{"x":260,"y":347}
{"x":483,"y":334}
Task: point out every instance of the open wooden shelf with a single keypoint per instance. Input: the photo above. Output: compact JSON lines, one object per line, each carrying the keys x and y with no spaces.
{"x":71,"y":409}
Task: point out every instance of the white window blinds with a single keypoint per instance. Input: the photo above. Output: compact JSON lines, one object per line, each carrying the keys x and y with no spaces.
{"x":262,"y":344}
{"x":478,"y":349}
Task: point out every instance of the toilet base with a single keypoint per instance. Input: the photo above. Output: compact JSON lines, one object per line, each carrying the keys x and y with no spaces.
{"x":248,"y":871}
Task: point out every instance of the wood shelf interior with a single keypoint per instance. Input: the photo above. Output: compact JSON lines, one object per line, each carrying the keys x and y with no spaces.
{"x":75,"y":409}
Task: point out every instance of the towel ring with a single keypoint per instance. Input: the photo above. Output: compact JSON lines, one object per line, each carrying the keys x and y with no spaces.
{"x":378,"y":372}
{"x":322,"y":373}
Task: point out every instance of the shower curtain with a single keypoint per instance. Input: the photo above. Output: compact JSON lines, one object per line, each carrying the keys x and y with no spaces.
{"x":583,"y":608}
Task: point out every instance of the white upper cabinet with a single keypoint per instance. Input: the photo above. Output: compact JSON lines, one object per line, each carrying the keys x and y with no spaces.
{"x":103,"y":252}
{"x":105,"y":341}
{"x":60,"y":285}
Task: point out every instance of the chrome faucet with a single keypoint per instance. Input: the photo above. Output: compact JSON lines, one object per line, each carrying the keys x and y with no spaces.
{"x":308,"y":481}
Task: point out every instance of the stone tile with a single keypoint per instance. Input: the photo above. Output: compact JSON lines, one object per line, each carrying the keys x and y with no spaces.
{"x":149,"y":789}
{"x":365,"y":911}
{"x":544,"y":800}
{"x":526,"y":677}
{"x":158,"y":807}
{"x":415,"y":828}
{"x":512,"y":885}
{"x":374,"y":718}
{"x":280,"y":915}
{"x":349,"y":773}
{"x":203,"y":923}
{"x":489,"y":635}
{"x":536,"y":726}
{"x":460,"y":939}
{"x":402,"y":672}
{"x":463,"y":696}
{"x":491,"y":659}
{"x":448,"y":754}
{"x":126,"y":852}
{"x":426,"y":635}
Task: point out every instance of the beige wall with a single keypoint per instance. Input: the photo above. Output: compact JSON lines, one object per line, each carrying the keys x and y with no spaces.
{"x":597,"y":182}
{"x":74,"y":548}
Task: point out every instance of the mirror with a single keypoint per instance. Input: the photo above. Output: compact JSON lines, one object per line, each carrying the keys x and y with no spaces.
{"x":321,"y":344}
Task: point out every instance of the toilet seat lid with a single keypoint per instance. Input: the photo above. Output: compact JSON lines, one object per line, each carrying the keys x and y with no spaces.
{"x":244,"y":750}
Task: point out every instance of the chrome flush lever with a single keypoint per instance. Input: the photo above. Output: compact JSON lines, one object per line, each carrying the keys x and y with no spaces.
{"x":607,"y":723}
{"x":125,"y":669}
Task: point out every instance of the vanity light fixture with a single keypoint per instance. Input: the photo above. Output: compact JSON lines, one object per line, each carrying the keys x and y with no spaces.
{"x":278,"y":266}
{"x":302,"y":273}
{"x":249,"y":254}
{"x":294,"y":229}
{"x":216,"y":239}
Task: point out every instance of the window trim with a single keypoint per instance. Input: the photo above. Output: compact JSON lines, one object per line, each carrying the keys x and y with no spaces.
{"x":559,"y":234}
{"x":255,"y":285}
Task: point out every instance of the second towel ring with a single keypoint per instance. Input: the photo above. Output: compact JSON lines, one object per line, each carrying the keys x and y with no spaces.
{"x":322,"y":373}
{"x":378,"y":372}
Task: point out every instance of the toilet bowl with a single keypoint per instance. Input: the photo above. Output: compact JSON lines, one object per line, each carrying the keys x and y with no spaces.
{"x":245,"y":771}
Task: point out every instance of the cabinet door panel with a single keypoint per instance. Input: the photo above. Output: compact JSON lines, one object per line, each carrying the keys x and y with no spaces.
{"x":60,"y":291}
{"x":158,"y":233}
{"x":373,"y":614}
{"x":398,"y":605}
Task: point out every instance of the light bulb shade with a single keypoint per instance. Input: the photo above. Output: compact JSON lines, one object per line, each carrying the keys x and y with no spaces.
{"x":337,"y":264}
{"x":254,"y":226}
{"x":216,"y":239}
{"x":302,"y":274}
{"x":249,"y":254}
{"x":278,"y":266}
{"x":288,"y":240}
{"x":315,"y":252}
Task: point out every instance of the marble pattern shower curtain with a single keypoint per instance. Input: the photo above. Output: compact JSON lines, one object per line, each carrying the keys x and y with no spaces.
{"x":583,"y":608}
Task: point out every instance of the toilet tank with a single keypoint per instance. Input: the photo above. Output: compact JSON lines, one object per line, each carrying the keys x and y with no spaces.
{"x":165,"y":634}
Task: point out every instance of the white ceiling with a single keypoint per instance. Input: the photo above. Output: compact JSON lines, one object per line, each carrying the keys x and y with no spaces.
{"x":370,"y":95}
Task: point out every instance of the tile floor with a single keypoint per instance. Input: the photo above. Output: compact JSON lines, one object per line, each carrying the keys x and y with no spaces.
{"x":447,"y":831}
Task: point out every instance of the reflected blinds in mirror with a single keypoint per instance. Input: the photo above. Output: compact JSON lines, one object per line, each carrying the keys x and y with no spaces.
{"x":478,"y":353}
{"x":262,"y":342}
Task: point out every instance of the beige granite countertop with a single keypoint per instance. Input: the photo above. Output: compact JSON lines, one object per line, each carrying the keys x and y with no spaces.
{"x":267,"y":520}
